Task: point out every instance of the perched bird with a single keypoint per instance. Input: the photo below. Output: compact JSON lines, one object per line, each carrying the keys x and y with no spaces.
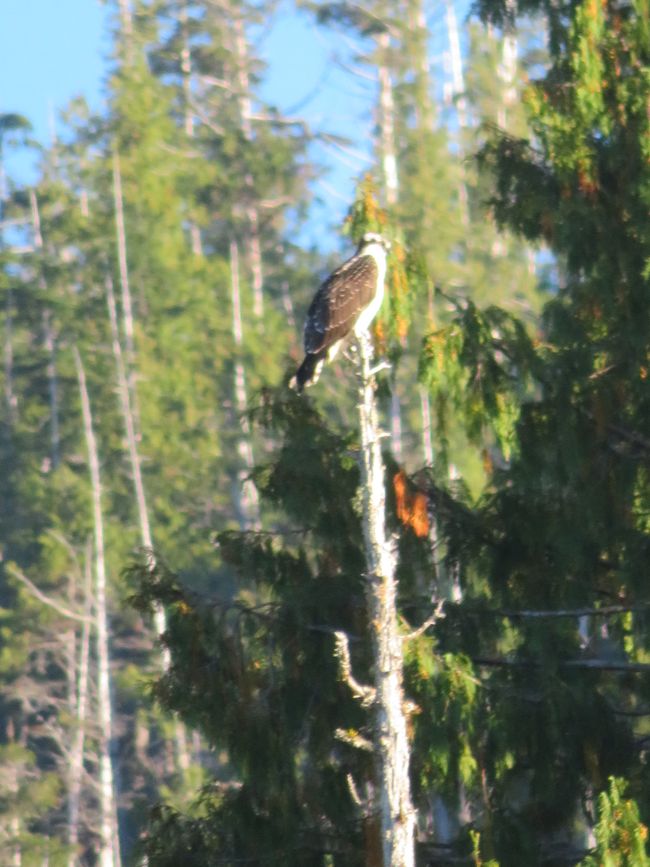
{"x":347,"y":301}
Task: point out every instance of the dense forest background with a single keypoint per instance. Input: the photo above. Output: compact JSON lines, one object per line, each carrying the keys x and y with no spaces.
{"x":180,"y":533}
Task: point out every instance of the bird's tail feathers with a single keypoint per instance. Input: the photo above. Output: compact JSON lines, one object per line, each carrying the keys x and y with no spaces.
{"x":308,"y":372}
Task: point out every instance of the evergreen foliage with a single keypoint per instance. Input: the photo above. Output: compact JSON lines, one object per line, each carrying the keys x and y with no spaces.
{"x":619,"y":833}
{"x":561,"y":524}
{"x":528,"y":701}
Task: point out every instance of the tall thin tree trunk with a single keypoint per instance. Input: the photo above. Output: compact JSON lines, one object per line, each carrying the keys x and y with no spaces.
{"x":287,"y":303}
{"x":252,"y":241}
{"x":120,"y":240}
{"x":130,"y":414}
{"x":188,"y":120}
{"x":146,"y":537}
{"x":387,"y":122}
{"x":186,"y":72}
{"x":126,"y":23}
{"x":456,"y":57}
{"x":424,"y":112}
{"x":109,"y":853}
{"x":14,"y":822}
{"x":458,"y":93}
{"x":8,"y":353}
{"x":128,"y":420}
{"x":388,"y":153}
{"x":80,"y":713}
{"x":11,"y":401}
{"x":50,"y":344}
{"x":246,"y":497}
{"x":508,"y":72}
{"x":53,"y":388}
{"x":391,"y":740}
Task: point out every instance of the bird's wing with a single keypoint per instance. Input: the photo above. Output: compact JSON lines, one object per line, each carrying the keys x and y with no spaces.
{"x":339,"y":301}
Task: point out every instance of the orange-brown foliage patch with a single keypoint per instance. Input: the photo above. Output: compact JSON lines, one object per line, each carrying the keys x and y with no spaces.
{"x":411,"y":505}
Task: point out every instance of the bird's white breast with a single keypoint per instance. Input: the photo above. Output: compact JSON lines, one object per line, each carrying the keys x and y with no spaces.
{"x":366,"y":316}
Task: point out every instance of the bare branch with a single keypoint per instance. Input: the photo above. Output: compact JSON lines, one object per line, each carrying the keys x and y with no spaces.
{"x":365,"y":694}
{"x":603,"y":611}
{"x":46,"y":600}
{"x":354,"y":792}
{"x":353,"y":738}
{"x":596,"y":664}
{"x":438,"y":614}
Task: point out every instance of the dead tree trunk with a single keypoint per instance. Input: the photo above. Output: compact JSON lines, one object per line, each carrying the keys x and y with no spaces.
{"x":146,"y":538}
{"x":50,"y":342}
{"x":131,"y":439}
{"x":458,"y":95}
{"x":390,"y":179}
{"x":252,"y":241}
{"x":80,"y":714}
{"x":120,"y":241}
{"x":109,"y":854}
{"x":245,"y":495}
{"x":397,"y":816}
{"x":188,"y":113}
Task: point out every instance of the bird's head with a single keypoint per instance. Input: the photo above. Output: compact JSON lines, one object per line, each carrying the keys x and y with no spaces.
{"x":374,"y":238}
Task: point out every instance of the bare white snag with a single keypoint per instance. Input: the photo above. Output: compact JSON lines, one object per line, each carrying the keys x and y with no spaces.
{"x":53,"y":388}
{"x":50,"y":343}
{"x":456,"y":57}
{"x":128,"y":419}
{"x":252,"y":241}
{"x":458,"y":94}
{"x":246,"y":496}
{"x":387,"y":122}
{"x":388,"y":152}
{"x":80,"y":712}
{"x":109,"y":853}
{"x":186,"y":72}
{"x":126,"y":23}
{"x":120,"y":240}
{"x":125,"y":368}
{"x":11,"y":400}
{"x":508,"y":70}
{"x":146,"y":536}
{"x":391,"y":742}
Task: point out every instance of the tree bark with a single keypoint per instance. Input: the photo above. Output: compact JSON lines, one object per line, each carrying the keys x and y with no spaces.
{"x":120,"y":240}
{"x":387,"y":122}
{"x":388,"y":153}
{"x":246,"y":497}
{"x":252,"y":241}
{"x":508,"y":72}
{"x":458,"y":95}
{"x":53,"y":388}
{"x":186,"y":72}
{"x":146,"y":537}
{"x":79,"y":711}
{"x":128,"y":420}
{"x":109,"y":853}
{"x":11,"y":401}
{"x":391,"y":742}
{"x":457,"y":77}
{"x":50,"y":342}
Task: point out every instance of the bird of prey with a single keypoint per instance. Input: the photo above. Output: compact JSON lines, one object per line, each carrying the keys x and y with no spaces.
{"x":347,"y":301}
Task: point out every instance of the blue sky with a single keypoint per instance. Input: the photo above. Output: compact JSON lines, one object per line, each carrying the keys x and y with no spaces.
{"x":53,"y":50}
{"x":50,"y":51}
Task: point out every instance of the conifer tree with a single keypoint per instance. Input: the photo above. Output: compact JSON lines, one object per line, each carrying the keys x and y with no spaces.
{"x":299,"y":739}
{"x":561,"y":533}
